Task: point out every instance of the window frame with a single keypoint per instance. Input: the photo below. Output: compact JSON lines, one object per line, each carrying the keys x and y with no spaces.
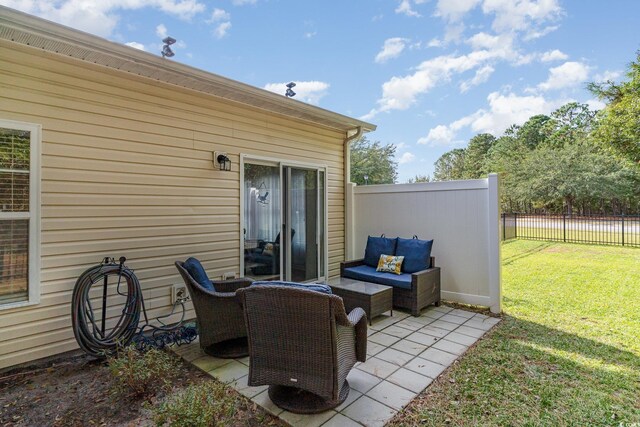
{"x":35,"y":144}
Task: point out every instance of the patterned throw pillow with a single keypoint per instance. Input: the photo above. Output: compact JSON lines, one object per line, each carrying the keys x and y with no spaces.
{"x":390,"y":264}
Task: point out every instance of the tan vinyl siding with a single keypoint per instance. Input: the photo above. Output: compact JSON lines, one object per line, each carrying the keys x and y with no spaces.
{"x":127,"y":171}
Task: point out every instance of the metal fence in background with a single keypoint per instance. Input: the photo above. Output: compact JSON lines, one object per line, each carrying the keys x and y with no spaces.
{"x":621,"y":230}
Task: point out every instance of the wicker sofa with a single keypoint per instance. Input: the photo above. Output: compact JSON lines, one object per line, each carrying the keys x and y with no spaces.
{"x":219,"y":315}
{"x":412,"y":290}
{"x":302,"y":344}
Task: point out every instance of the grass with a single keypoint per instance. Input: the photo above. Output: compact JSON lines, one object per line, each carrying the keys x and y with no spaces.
{"x":566,"y":354}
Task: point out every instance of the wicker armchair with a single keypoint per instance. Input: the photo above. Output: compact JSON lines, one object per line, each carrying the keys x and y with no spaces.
{"x":424,"y":291}
{"x":303,"y":345}
{"x":218,"y":315}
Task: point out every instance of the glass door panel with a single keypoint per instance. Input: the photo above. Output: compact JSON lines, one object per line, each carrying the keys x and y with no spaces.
{"x":262,"y":221}
{"x":302,"y":224}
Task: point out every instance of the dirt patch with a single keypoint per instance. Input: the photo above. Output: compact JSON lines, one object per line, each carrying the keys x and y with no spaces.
{"x":75,"y":391}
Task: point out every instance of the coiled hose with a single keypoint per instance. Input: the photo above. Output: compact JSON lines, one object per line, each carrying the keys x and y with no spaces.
{"x":94,"y":339}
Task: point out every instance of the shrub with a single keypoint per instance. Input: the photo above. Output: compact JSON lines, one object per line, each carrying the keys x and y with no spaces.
{"x":207,"y":404}
{"x":141,"y":374}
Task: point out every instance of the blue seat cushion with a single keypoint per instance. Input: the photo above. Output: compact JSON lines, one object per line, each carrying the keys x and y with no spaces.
{"x":195,"y":269}
{"x":377,"y":246}
{"x":317,"y":287}
{"x":416,"y":253}
{"x":369,"y":274}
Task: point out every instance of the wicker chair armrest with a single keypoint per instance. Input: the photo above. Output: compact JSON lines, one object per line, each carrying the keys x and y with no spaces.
{"x":216,"y":294}
{"x":231,"y":285}
{"x":358,"y":319}
{"x":357,"y":315}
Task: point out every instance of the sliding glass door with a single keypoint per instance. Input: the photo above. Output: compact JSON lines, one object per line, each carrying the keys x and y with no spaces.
{"x":284,"y":214}
{"x":262,"y":221}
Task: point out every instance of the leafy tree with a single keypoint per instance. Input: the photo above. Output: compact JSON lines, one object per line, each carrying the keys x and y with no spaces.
{"x":419,"y":178}
{"x":373,"y":160}
{"x":475,"y":155}
{"x":569,"y":124}
{"x":450,"y":166}
{"x":618,"y":124}
{"x":531,"y":133}
{"x":561,"y":177}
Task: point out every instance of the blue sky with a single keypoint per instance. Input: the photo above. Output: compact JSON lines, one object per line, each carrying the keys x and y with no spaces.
{"x":430,"y":73}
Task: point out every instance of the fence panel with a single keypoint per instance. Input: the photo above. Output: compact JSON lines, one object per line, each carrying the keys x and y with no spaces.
{"x":621,"y":230}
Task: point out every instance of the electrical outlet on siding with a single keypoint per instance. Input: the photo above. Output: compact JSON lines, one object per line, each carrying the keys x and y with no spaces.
{"x":179,"y":292}
{"x":229,"y":275}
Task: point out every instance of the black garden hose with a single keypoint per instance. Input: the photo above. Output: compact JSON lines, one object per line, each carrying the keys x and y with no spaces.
{"x":94,"y":339}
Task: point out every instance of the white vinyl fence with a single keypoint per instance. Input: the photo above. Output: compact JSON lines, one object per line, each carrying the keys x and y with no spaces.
{"x":462,"y":217}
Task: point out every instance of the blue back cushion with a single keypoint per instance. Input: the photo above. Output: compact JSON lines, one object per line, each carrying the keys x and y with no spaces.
{"x":195,"y":269}
{"x":416,"y":254}
{"x":308,"y":286}
{"x":377,"y":246}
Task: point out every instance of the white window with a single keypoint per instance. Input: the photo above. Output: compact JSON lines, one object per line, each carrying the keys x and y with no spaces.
{"x":19,"y":214}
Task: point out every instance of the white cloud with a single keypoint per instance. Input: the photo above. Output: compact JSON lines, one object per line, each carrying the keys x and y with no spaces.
{"x":309,"y":91}
{"x":222,"y":29}
{"x":161,"y":31}
{"x":566,"y":75}
{"x":435,"y":42}
{"x":521,"y":15}
{"x":101,"y":17}
{"x":481,"y":76}
{"x":392,"y":48}
{"x":136,"y":45}
{"x":454,"y":10}
{"x":440,"y":135}
{"x":219,"y":15}
{"x":406,"y":7}
{"x":223,"y":20}
{"x":607,"y":75}
{"x":400,"y":93}
{"x":243,"y":2}
{"x":406,"y":158}
{"x":310,"y":34}
{"x":503,"y":111}
{"x":536,"y":34}
{"x":553,"y":55}
{"x":595,"y":104}
{"x":487,"y":41}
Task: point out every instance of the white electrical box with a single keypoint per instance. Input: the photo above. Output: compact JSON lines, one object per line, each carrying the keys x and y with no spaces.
{"x":179,"y":292}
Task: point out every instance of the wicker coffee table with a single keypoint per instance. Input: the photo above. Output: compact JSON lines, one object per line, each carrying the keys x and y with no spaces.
{"x":374,"y":299}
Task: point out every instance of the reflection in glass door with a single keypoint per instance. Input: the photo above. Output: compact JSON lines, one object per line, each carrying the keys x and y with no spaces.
{"x":262,"y":221}
{"x":301,"y":224}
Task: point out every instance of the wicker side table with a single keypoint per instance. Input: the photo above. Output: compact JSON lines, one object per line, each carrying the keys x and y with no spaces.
{"x":374,"y":299}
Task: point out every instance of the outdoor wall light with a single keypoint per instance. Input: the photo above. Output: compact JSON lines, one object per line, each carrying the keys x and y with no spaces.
{"x":221,"y":161}
{"x":166,"y":50}
{"x":290,"y":93}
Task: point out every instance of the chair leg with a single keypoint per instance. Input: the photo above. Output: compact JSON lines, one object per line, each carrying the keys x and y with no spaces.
{"x":301,"y":401}
{"x":229,"y":349}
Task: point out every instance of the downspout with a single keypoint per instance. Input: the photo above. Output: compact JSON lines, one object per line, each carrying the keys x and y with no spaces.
{"x":348,"y":194}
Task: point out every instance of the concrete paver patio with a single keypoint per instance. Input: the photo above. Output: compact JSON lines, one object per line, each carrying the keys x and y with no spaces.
{"x":404,"y":355}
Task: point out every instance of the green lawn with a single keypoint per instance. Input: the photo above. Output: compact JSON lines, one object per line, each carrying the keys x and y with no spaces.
{"x":566,"y":354}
